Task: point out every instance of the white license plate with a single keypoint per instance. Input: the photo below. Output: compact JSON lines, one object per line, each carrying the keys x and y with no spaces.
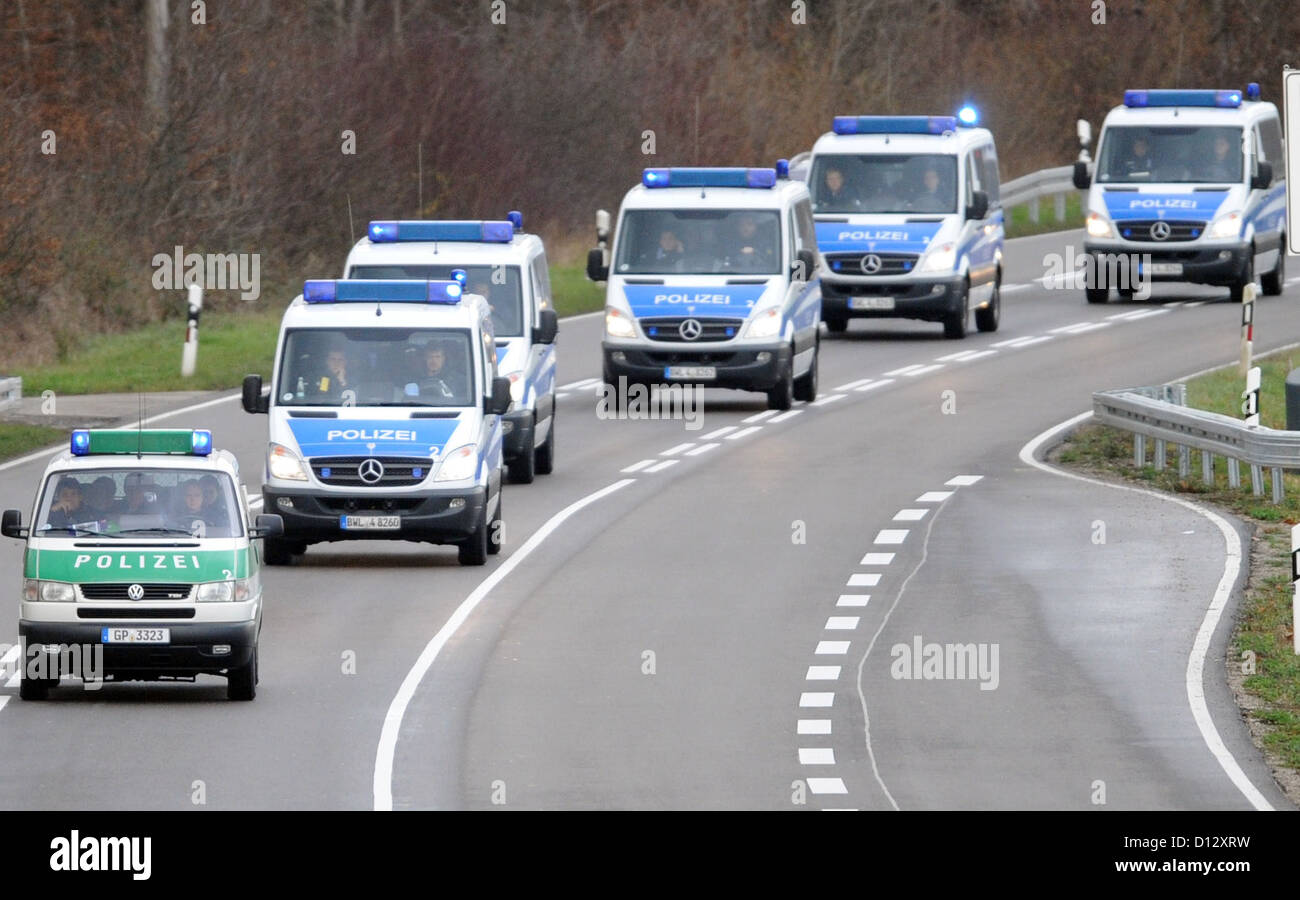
{"x":700,"y":372}
{"x":370,"y":523}
{"x":871,"y":303}
{"x":136,"y":636}
{"x":1165,"y":269}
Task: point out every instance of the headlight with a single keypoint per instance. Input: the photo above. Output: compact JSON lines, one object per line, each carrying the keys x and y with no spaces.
{"x":239,"y":590}
{"x":617,"y":324}
{"x":1228,"y":226}
{"x":283,"y":463}
{"x":766,"y":324}
{"x":1098,"y":227}
{"x":47,"y":591}
{"x":939,"y":259}
{"x":517,"y":386}
{"x":458,"y":465}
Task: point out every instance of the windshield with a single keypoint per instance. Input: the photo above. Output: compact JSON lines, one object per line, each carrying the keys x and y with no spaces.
{"x":884,"y":183}
{"x":1168,"y":154}
{"x":499,"y":284}
{"x":699,"y":242}
{"x":139,"y":501}
{"x":376,"y":367}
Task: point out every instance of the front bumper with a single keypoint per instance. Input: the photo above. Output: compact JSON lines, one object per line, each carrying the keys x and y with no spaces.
{"x":189,"y":653}
{"x":749,"y":366}
{"x":1221,"y":265}
{"x":517,"y":433}
{"x":438,"y":516}
{"x":927,"y":299}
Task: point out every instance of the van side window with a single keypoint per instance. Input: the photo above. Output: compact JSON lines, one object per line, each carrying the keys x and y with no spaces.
{"x":1270,"y":140}
{"x":803,"y":222}
{"x":986,"y":159}
{"x":971,"y":184}
{"x":541,"y":282}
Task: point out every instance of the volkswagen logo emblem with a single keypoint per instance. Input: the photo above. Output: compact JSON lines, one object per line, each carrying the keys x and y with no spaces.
{"x":690,"y":329}
{"x":135,"y":592}
{"x":1160,"y":231}
{"x":370,"y":471}
{"x":871,"y":264}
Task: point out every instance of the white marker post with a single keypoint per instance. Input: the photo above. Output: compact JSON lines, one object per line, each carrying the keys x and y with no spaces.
{"x":1247,"y":326}
{"x":190,"y":349}
{"x":1295,"y":588}
{"x":1291,"y":116}
{"x":1250,"y":398}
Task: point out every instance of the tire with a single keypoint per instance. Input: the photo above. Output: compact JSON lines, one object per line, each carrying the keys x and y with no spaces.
{"x":954,"y":325}
{"x":495,"y":530}
{"x":523,"y":468}
{"x":836,"y":326}
{"x":1096,"y":295}
{"x":1126,"y":295}
{"x":805,"y":386}
{"x":241,"y":683}
{"x":611,"y":386}
{"x":1274,"y":281}
{"x":1237,"y":290}
{"x":34,"y":688}
{"x":544,"y":461}
{"x":473,"y":550}
{"x":987,"y":319}
{"x":276,"y":552}
{"x":781,"y":396}
{"x":1093,"y":291}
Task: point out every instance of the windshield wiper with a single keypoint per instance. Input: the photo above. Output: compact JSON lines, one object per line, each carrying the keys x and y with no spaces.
{"x":158,"y":530}
{"x":73,"y":530}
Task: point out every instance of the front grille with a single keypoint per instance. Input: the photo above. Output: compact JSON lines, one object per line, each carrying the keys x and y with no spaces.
{"x":368,"y":504}
{"x":399,"y":471}
{"x":691,"y":359}
{"x":164,"y":591}
{"x":711,"y":329}
{"x":890,"y":263}
{"x":133,"y":612}
{"x":1140,"y":230}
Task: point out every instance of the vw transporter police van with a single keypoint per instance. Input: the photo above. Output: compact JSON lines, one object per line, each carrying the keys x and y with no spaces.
{"x":908,"y":220}
{"x":141,"y":554}
{"x":385,"y":417}
{"x":713,"y":281}
{"x":509,"y":268}
{"x":1189,"y":185}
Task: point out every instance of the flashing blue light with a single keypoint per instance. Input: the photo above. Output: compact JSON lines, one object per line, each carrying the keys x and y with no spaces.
{"x":654,"y":330}
{"x":968,"y":115}
{"x":1222,"y":99}
{"x":1252,"y":91}
{"x":731,"y":332}
{"x":459,"y":275}
{"x":469,"y":231}
{"x":709,"y":177}
{"x":516,"y":219}
{"x":325,"y":472}
{"x":361,"y":290}
{"x":318,"y":291}
{"x":417,"y":472}
{"x":80,"y":442}
{"x":783,"y":169}
{"x":893,"y":124}
{"x":201,"y":442}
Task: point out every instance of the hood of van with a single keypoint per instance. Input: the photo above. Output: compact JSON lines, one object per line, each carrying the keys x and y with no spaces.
{"x":731,"y":301}
{"x":879,"y":237}
{"x":373,"y":437}
{"x":1163,"y":204}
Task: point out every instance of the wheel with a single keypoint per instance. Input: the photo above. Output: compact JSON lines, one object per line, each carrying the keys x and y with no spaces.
{"x":34,"y":688}
{"x":1239,"y":289}
{"x":954,"y":324}
{"x":1096,"y":295}
{"x":1095,"y":291}
{"x":987,"y":319}
{"x":1274,"y":281}
{"x":781,"y":396}
{"x":1126,"y":295}
{"x":276,"y":552}
{"x":836,"y":326}
{"x":611,"y":391}
{"x":496,"y":529}
{"x":544,"y":462}
{"x":805,"y":386}
{"x":474,"y":549}
{"x":524,"y":467}
{"x":241,"y":683}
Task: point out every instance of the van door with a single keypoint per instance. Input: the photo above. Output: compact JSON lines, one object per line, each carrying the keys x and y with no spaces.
{"x":980,"y":237}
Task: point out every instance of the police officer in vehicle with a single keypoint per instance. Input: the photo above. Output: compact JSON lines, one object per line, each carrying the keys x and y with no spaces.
{"x":933,"y":197}
{"x":1139,"y":161}
{"x":438,"y":382}
{"x":751,"y":249}
{"x":835,"y":194}
{"x":335,"y":381}
{"x":1222,"y":167}
{"x":67,"y":510}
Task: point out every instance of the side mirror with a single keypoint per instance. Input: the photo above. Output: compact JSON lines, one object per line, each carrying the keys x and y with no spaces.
{"x":11,"y":524}
{"x":602,"y":226}
{"x":252,"y":399}
{"x":548,"y":326}
{"x":979,"y":205}
{"x":1082,"y":180}
{"x":596,"y":268}
{"x":805,"y":264}
{"x":1263,"y":177}
{"x":267,"y":525}
{"x":499,"y":403}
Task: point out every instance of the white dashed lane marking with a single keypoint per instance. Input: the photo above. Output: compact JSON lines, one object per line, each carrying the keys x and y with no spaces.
{"x":714,"y":435}
{"x":758,"y":417}
{"x":814,"y":726}
{"x":822,"y":673}
{"x":660,"y":466}
{"x":703,"y":448}
{"x":788,"y":414}
{"x":638,"y":466}
{"x":891,"y":536}
{"x":829,"y":398}
{"x":853,"y":600}
{"x":905,"y":370}
{"x":816,"y":756}
{"x":910,"y":515}
{"x":871,"y":386}
{"x":745,"y":432}
{"x":864,"y":579}
{"x":816,"y":699}
{"x":578,"y":385}
{"x":827,"y":786}
{"x":933,"y":497}
{"x":962,"y":480}
{"x":673,"y":451}
{"x":877,"y":559}
{"x":853,"y":384}
{"x":832,"y":648}
{"x":924,"y":370}
{"x":842,"y":623}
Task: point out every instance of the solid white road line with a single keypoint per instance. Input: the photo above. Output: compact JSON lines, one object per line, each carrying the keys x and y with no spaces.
{"x":963,"y":480}
{"x":842,"y":623}
{"x":745,"y":432}
{"x":954,"y":357}
{"x":832,"y":648}
{"x":637,"y":466}
{"x":703,"y":448}
{"x":3,"y":701}
{"x":829,"y":398}
{"x":933,"y":497}
{"x":382,"y":786}
{"x":1195,"y":675}
{"x":905,"y":369}
{"x":1174,"y":304}
{"x":827,"y":786}
{"x":788,"y":414}
{"x":1030,"y":341}
{"x":1146,"y":314}
{"x":1064,"y":328}
{"x":673,"y":451}
{"x":853,"y":384}
{"x":714,"y":435}
{"x":873,"y":385}
{"x":980,"y":355}
{"x":578,"y":385}
{"x":1196,"y":303}
{"x":814,"y":726}
{"x":816,"y":699}
{"x":1012,"y":341}
{"x":660,"y":466}
{"x":891,"y":536}
{"x":877,"y":559}
{"x":853,"y":600}
{"x":758,"y":417}
{"x":822,"y":673}
{"x":816,"y":756}
{"x":910,"y":515}
{"x":864,"y":579}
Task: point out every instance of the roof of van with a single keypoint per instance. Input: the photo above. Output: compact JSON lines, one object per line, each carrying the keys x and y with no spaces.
{"x":518,"y":251}
{"x":948,"y":142}
{"x":1191,"y":115}
{"x":786,"y":192}
{"x":468,"y":313}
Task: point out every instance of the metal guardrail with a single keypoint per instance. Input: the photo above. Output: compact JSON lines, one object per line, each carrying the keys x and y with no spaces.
{"x":11,"y":392}
{"x":1057,"y":183}
{"x":1160,"y":413}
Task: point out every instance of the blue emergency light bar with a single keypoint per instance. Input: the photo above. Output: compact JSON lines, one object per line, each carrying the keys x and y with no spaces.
{"x":707,"y":177}
{"x":1252,"y":91}
{"x":495,"y":232}
{"x":516,"y":219}
{"x":1220,"y":99}
{"x":191,"y":442}
{"x":362,"y":290}
{"x":893,"y":124}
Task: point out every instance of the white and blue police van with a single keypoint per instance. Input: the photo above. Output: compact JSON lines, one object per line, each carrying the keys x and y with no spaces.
{"x":385,"y":414}
{"x":713,"y":280}
{"x":509,"y":268}
{"x":1188,"y":186}
{"x":909,"y":221}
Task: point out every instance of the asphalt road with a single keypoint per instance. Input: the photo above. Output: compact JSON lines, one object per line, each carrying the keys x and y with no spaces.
{"x":672,"y":642}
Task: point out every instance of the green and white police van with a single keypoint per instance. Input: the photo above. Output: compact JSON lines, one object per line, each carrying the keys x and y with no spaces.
{"x":141,"y":548}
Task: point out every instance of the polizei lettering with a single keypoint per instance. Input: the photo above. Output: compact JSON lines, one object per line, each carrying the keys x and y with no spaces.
{"x":369,"y":434}
{"x":1165,"y":203}
{"x":137,"y":561}
{"x":873,"y":236}
{"x":720,"y":299}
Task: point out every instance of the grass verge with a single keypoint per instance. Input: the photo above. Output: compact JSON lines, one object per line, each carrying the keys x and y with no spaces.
{"x":15,"y":439}
{"x":1017,"y":222}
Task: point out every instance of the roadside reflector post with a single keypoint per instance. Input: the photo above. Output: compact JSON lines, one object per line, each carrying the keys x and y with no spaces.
{"x":1158,"y":456}
{"x":1250,"y":398}
{"x":1278,"y":490}
{"x":1234,"y":473}
{"x":190,"y":349}
{"x":1257,"y":481}
{"x":1207,"y":467}
{"x":1295,"y":588}
{"x":1139,"y":450}
{"x":1247,"y":326}
{"x":1184,"y":460}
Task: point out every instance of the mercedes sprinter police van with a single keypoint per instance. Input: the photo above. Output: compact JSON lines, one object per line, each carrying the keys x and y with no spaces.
{"x":1195,"y":179}
{"x":385,"y":418}
{"x":908,"y":220}
{"x":141,"y":549}
{"x":713,"y":281}
{"x":509,"y":268}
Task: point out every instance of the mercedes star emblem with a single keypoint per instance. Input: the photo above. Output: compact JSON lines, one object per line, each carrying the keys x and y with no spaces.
{"x":871,"y":264}
{"x":370,"y":471}
{"x":690,"y":329}
{"x":1160,"y":231}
